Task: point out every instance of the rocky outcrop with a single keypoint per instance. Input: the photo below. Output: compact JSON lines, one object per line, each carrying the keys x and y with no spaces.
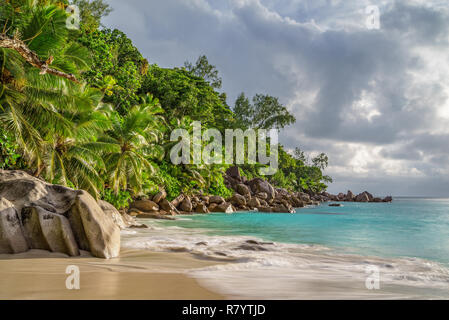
{"x":122,"y":220}
{"x":38,"y":215}
{"x":93,"y":225}
{"x":12,"y":239}
{"x":144,"y":206}
{"x":224,"y":207}
{"x":259,"y":185}
{"x":351,"y":197}
{"x":168,"y":207}
{"x":186,"y":205}
{"x":48,"y":231}
{"x":243,"y":190}
{"x":160,"y":196}
{"x":216,"y":199}
{"x":238,"y":200}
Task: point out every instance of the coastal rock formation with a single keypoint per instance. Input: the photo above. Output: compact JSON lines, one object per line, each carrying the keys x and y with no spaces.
{"x":186,"y":205}
{"x":93,"y":225}
{"x":36,"y":214}
{"x":216,"y":199}
{"x":224,"y":207}
{"x":144,"y":206}
{"x":160,"y":196}
{"x":256,"y":194}
{"x":48,"y":231}
{"x":238,"y":200}
{"x":11,"y":234}
{"x":259,"y":185}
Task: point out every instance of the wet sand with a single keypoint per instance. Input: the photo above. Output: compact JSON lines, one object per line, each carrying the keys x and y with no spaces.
{"x":136,"y":274}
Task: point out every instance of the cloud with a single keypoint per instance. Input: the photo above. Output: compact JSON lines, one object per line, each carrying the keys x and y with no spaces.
{"x":375,"y":100}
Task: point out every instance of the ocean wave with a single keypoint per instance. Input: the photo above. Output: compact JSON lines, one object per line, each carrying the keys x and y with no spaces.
{"x":257,"y":269}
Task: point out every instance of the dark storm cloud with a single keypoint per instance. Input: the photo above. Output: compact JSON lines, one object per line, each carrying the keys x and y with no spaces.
{"x":374,"y":100}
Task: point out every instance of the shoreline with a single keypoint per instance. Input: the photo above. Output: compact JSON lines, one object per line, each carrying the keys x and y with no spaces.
{"x":135,"y":275}
{"x":176,"y":263}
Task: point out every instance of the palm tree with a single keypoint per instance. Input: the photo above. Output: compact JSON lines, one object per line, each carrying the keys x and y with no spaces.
{"x":136,"y":137}
{"x":71,"y":155}
{"x":30,"y":99}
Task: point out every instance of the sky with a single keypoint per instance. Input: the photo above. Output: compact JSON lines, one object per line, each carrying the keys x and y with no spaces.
{"x":373,"y":97}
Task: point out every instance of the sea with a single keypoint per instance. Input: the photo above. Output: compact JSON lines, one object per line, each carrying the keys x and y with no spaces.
{"x":397,"y":250}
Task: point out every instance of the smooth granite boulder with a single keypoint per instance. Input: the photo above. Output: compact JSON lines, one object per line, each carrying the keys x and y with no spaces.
{"x":11,"y":233}
{"x":93,"y":229}
{"x":186,"y":205}
{"x":114,"y":214}
{"x":259,"y":185}
{"x":23,"y":190}
{"x":144,"y":206}
{"x":48,"y":231}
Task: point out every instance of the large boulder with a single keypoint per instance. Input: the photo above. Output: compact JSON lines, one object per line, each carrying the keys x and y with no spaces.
{"x":388,"y":199}
{"x":114,"y":214}
{"x":160,"y":196}
{"x":225,"y":207}
{"x":362,"y":197}
{"x":201,"y":208}
{"x":37,"y":214}
{"x":11,"y":233}
{"x":254,"y":203}
{"x":243,"y":190}
{"x":238,"y":200}
{"x":349,"y":196}
{"x":216,"y":199}
{"x":304,"y":197}
{"x":48,"y":231}
{"x":296,"y":202}
{"x":186,"y":205}
{"x":144,"y":206}
{"x":178,"y":200}
{"x":23,"y":190}
{"x":93,"y":230}
{"x":167,"y":206}
{"x":258,"y":185}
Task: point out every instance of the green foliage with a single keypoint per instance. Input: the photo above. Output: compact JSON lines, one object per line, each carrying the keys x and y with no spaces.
{"x":205,"y":70}
{"x":10,"y":158}
{"x":118,"y":67}
{"x":108,"y":135}
{"x":120,"y":200}
{"x":265,"y":112}
{"x":218,"y":188}
{"x":91,"y":13}
{"x":134,"y":139}
{"x":183,"y":94}
{"x":167,"y":175}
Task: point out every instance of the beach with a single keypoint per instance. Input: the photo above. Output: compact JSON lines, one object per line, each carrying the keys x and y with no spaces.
{"x":136,"y":275}
{"x":333,"y":253}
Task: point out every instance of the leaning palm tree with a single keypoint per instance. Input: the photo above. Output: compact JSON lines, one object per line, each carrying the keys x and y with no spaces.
{"x":34,"y":36}
{"x":71,"y":155}
{"x":136,"y":136}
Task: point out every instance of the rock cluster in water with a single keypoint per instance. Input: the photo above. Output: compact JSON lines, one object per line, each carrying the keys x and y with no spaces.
{"x":38,"y":215}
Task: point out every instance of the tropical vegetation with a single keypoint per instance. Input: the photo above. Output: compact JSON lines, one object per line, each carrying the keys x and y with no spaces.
{"x":82,"y":107}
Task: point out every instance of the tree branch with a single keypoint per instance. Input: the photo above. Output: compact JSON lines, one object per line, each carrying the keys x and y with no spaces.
{"x":32,"y":58}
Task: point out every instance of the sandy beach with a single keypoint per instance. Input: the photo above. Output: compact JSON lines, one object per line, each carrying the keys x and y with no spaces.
{"x":135,"y":275}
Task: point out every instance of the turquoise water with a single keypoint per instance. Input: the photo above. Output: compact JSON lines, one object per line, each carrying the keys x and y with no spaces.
{"x":408,"y":227}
